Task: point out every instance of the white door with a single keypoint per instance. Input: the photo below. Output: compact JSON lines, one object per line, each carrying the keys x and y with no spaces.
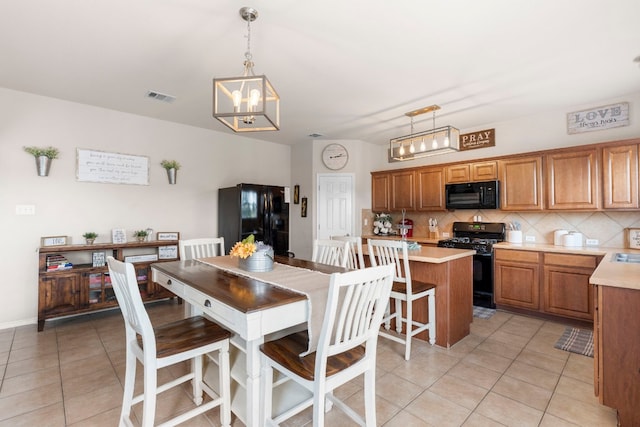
{"x":335,"y":205}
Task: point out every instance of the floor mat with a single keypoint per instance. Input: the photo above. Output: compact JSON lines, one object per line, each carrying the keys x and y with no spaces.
{"x":482,"y":312}
{"x":576,"y":340}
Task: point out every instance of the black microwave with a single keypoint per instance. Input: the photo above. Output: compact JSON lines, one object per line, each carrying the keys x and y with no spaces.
{"x":473,"y":195}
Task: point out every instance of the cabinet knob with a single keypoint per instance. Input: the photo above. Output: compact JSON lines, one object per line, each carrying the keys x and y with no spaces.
{"x":207,"y":303}
{"x":169,"y":282}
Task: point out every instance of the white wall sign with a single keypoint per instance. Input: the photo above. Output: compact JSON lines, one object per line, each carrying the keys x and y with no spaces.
{"x":114,"y":168}
{"x":605,"y":117}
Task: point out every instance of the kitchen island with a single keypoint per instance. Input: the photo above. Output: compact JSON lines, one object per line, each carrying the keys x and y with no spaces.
{"x":451,"y":270}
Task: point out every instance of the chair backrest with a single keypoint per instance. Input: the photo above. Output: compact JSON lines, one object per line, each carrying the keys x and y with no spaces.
{"x":355,"y":306}
{"x":355,"y":259}
{"x":201,"y":248}
{"x":332,"y":252}
{"x":136,"y":319}
{"x":382,"y":252}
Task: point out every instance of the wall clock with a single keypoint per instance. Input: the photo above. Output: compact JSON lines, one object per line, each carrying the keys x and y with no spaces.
{"x":335,"y":156}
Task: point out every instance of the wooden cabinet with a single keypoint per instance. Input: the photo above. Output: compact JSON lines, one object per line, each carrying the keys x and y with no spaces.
{"x":85,"y":288}
{"x":616,"y":349}
{"x":521,"y":184}
{"x":620,"y":177}
{"x":402,"y":190}
{"x":467,"y":172}
{"x":566,"y":288}
{"x":517,"y":278}
{"x":429,"y":193}
{"x":380,"y":188}
{"x":572,"y":180}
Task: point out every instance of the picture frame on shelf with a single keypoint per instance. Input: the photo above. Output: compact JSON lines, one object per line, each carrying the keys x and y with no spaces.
{"x":118,"y":235}
{"x":99,"y":259}
{"x":168,"y":252}
{"x":54,"y":241}
{"x":168,"y":235}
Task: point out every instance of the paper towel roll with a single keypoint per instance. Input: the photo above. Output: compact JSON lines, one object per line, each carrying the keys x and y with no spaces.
{"x":557,"y":237}
{"x":572,"y":239}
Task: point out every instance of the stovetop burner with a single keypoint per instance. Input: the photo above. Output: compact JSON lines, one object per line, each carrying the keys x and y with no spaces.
{"x":479,"y":236}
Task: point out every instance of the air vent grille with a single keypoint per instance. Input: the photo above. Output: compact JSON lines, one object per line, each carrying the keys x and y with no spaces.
{"x":160,"y":96}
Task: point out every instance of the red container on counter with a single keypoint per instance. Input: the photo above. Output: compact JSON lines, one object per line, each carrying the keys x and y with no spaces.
{"x":406,"y":227}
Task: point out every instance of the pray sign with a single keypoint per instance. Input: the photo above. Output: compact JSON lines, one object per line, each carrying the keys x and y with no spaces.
{"x":480,"y":139}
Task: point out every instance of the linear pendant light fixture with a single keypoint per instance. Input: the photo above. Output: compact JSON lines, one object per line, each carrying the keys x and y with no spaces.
{"x":247,"y":103}
{"x":440,"y":140}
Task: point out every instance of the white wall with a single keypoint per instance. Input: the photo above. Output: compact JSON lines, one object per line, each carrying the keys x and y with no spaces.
{"x":210,"y":160}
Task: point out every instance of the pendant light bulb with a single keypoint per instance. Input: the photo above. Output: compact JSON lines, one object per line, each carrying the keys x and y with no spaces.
{"x":236,"y":95}
{"x":423,"y":146}
{"x":254,"y":97}
{"x":401,"y":151}
{"x":434,"y":143}
{"x":412,"y":148}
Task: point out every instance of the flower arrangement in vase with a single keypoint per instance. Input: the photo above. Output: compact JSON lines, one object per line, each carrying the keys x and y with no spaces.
{"x":43,"y":158}
{"x":253,"y":256}
{"x":382,"y":224}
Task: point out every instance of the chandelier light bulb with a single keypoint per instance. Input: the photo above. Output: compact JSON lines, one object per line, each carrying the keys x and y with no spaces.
{"x":423,"y":146}
{"x":446,"y":141}
{"x":254,"y":97}
{"x":434,"y":144}
{"x":236,"y":95}
{"x":412,"y":149}
{"x":401,"y":151}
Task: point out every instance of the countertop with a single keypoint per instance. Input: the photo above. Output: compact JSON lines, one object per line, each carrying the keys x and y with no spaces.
{"x":418,"y":239}
{"x":607,"y":273}
{"x":432,"y":254}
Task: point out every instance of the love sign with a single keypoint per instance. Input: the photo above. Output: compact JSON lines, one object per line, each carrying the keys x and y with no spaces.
{"x":605,"y":117}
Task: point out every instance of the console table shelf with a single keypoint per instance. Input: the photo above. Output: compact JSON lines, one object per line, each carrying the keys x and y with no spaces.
{"x":86,"y":288}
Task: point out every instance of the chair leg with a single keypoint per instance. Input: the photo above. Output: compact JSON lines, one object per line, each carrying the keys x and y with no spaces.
{"x":129,"y":383}
{"x":432,"y":317}
{"x":225,"y":386}
{"x":408,"y":336}
{"x":398,"y":315}
{"x":387,"y":316}
{"x":150,"y":390}
{"x":319,"y":400}
{"x":370,"y":397}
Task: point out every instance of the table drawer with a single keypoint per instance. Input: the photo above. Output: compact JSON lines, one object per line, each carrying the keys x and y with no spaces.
{"x":219,"y":312}
{"x":169,"y":283}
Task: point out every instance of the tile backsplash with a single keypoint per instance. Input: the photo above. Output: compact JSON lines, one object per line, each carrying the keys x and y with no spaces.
{"x":606,"y":227}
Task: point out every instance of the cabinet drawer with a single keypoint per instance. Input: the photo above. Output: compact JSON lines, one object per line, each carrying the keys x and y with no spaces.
{"x":520,"y":256}
{"x":168,"y":283}
{"x":587,"y":261}
{"x":219,"y":312}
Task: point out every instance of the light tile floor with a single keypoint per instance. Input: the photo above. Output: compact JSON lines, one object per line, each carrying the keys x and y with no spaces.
{"x":506,"y":372}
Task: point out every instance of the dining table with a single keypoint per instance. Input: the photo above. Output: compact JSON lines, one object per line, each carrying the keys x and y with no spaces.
{"x":255,"y":307}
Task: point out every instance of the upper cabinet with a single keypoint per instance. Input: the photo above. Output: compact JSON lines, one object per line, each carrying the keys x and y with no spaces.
{"x":380,"y":187}
{"x":620,"y":177}
{"x":402,"y":190}
{"x":467,"y":172}
{"x":572,"y":180}
{"x":521,"y":184}
{"x":430,"y":189}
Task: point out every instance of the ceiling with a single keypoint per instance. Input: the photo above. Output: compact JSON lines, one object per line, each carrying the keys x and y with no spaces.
{"x":343,"y":69}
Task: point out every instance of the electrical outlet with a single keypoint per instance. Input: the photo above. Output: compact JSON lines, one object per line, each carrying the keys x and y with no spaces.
{"x":592,"y":242}
{"x":530,"y":238}
{"x":366,"y":221}
{"x":25,"y":209}
{"x":445,"y":234}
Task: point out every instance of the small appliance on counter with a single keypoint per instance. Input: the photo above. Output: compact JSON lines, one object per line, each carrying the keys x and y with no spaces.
{"x":557,"y":237}
{"x":573,"y":238}
{"x":405,"y":226}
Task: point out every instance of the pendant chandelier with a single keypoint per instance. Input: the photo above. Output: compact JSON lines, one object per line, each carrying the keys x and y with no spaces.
{"x":440,"y":140}
{"x":247,"y":103}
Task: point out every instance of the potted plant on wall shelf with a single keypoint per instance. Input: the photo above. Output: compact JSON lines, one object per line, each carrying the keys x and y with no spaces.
{"x":43,"y":158}
{"x":140,"y":235}
{"x":90,"y":237}
{"x":172,"y":167}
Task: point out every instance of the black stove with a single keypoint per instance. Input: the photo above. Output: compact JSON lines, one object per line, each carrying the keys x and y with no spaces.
{"x":479,"y":236}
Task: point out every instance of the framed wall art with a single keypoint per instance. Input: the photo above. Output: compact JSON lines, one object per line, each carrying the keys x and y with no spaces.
{"x":168,"y":252}
{"x":168,"y":235}
{"x":54,"y":241}
{"x":118,"y":235}
{"x":111,"y":168}
{"x":303,"y":208}
{"x":296,"y":194}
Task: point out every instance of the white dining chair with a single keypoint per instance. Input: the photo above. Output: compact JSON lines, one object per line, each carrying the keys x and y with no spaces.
{"x":161,"y":346}
{"x":201,"y":248}
{"x":346,"y":349}
{"x":404,"y":289}
{"x":355,"y":259}
{"x":332,"y":252}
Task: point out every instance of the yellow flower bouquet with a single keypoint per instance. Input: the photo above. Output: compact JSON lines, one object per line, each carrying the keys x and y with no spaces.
{"x":245,"y":248}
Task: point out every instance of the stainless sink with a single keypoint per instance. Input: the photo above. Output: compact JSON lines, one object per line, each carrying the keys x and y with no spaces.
{"x":620,"y":257}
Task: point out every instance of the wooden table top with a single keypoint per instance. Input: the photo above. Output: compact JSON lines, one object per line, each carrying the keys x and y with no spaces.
{"x":239,"y":292}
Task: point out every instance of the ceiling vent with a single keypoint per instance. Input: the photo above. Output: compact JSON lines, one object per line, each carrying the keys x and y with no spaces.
{"x":160,"y":96}
{"x":315,"y":135}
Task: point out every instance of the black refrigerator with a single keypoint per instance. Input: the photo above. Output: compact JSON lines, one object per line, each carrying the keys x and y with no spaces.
{"x":255,"y":209}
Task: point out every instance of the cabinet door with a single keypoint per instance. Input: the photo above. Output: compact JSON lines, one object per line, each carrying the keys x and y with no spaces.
{"x":567,"y":292}
{"x":430,"y":189}
{"x":97,"y":290}
{"x":402,"y":190}
{"x":380,"y":192}
{"x":517,"y":278}
{"x":521,"y":184}
{"x":572,"y":180}
{"x":620,"y":177}
{"x":59,"y":294}
{"x":484,"y":171}
{"x":458,"y":173}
